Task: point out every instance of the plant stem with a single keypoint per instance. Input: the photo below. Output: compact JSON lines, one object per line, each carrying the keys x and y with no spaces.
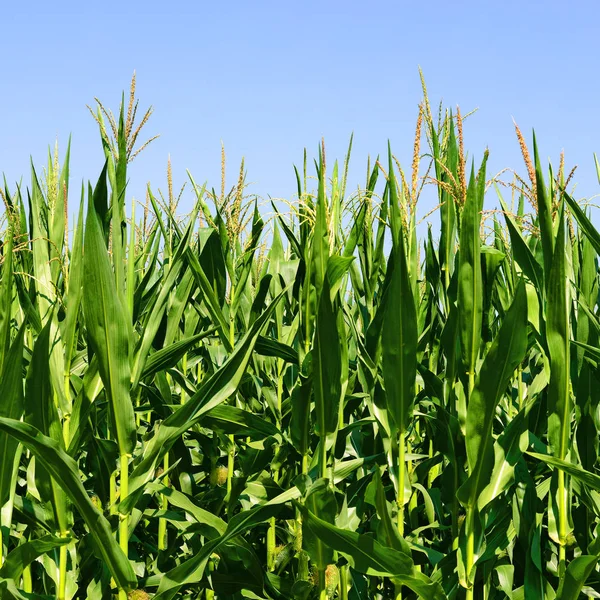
{"x":344,"y":582}
{"x":302,"y":556}
{"x":470,"y":555}
{"x":124,"y":518}
{"x":469,"y":525}
{"x":62,"y":551}
{"x":322,"y":585}
{"x":400,"y":496}
{"x":62,"y":572}
{"x":231,"y":453}
{"x":562,"y":524}
{"x":271,"y":533}
{"x":162,"y":522}
{"x":113,"y":493}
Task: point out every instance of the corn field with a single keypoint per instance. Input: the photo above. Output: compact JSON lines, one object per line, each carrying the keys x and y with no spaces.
{"x":309,"y":403}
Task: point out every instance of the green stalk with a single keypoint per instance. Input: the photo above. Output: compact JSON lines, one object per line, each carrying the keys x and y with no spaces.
{"x":322,"y":584}
{"x":62,"y":552}
{"x":343,"y":594}
{"x":112,"y":485}
{"x":470,"y":552}
{"x":184,"y":369}
{"x":400,"y":497}
{"x":322,"y":458}
{"x":62,"y":572}
{"x":164,"y":502}
{"x":230,"y":464}
{"x":231,"y":452}
{"x":469,"y":527}
{"x":162,"y":522}
{"x":271,"y":533}
{"x":562,"y":524}
{"x":131,"y":262}
{"x":302,"y":556}
{"x":520,"y":387}
{"x":124,"y":519}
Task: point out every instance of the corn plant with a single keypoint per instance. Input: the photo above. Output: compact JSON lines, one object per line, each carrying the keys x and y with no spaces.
{"x":326,"y":401}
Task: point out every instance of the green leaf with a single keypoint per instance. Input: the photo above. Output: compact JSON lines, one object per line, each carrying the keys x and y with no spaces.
{"x":321,"y":502}
{"x":192,"y":570}
{"x":75,"y":292}
{"x":320,"y":242}
{"x":557,"y":331}
{"x":522,"y":254}
{"x":66,"y":472}
{"x":584,"y":223}
{"x":24,"y":554}
{"x":399,"y":340}
{"x":368,"y":556}
{"x":214,"y":391}
{"x":233,"y":420}
{"x":470,"y":289}
{"x":578,"y":571}
{"x":544,"y":206}
{"x":266,"y":346}
{"x":590,"y":479}
{"x":107,"y":326}
{"x":168,"y":357}
{"x":504,"y":356}
{"x":327,"y":365}
{"x":11,"y":406}
{"x":6,"y":296}
{"x":42,"y":413}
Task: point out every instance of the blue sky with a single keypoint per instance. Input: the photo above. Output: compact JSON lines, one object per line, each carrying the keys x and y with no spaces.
{"x":270,"y":78}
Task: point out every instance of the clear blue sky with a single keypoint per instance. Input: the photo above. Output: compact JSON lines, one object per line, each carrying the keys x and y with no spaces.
{"x":270,"y":78}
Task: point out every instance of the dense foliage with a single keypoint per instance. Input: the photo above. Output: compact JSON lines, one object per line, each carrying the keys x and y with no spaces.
{"x":321,"y":406}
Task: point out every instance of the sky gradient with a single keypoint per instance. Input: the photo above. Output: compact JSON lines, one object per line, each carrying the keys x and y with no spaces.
{"x":271,"y":78}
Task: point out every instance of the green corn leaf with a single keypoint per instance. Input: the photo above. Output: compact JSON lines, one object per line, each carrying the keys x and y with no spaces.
{"x":233,"y":420}
{"x":584,"y":223}
{"x":559,"y":394}
{"x":321,"y":502}
{"x":447,"y":202}
{"x":160,"y":305}
{"x":107,"y":324}
{"x":215,"y":390}
{"x":75,"y":292}
{"x":169,"y":356}
{"x":470,"y":290}
{"x":504,"y":356}
{"x":41,"y":412}
{"x":522,"y":254}
{"x":578,"y":571}
{"x":399,"y":339}
{"x":590,"y":479}
{"x":26,"y":553}
{"x":368,"y":556}
{"x":65,"y":472}
{"x":6,"y":295}
{"x":327,"y":365}
{"x":507,"y":451}
{"x":192,"y":570}
{"x":11,"y":406}
{"x":544,"y":206}
{"x":266,"y":346}
{"x":320,"y":244}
